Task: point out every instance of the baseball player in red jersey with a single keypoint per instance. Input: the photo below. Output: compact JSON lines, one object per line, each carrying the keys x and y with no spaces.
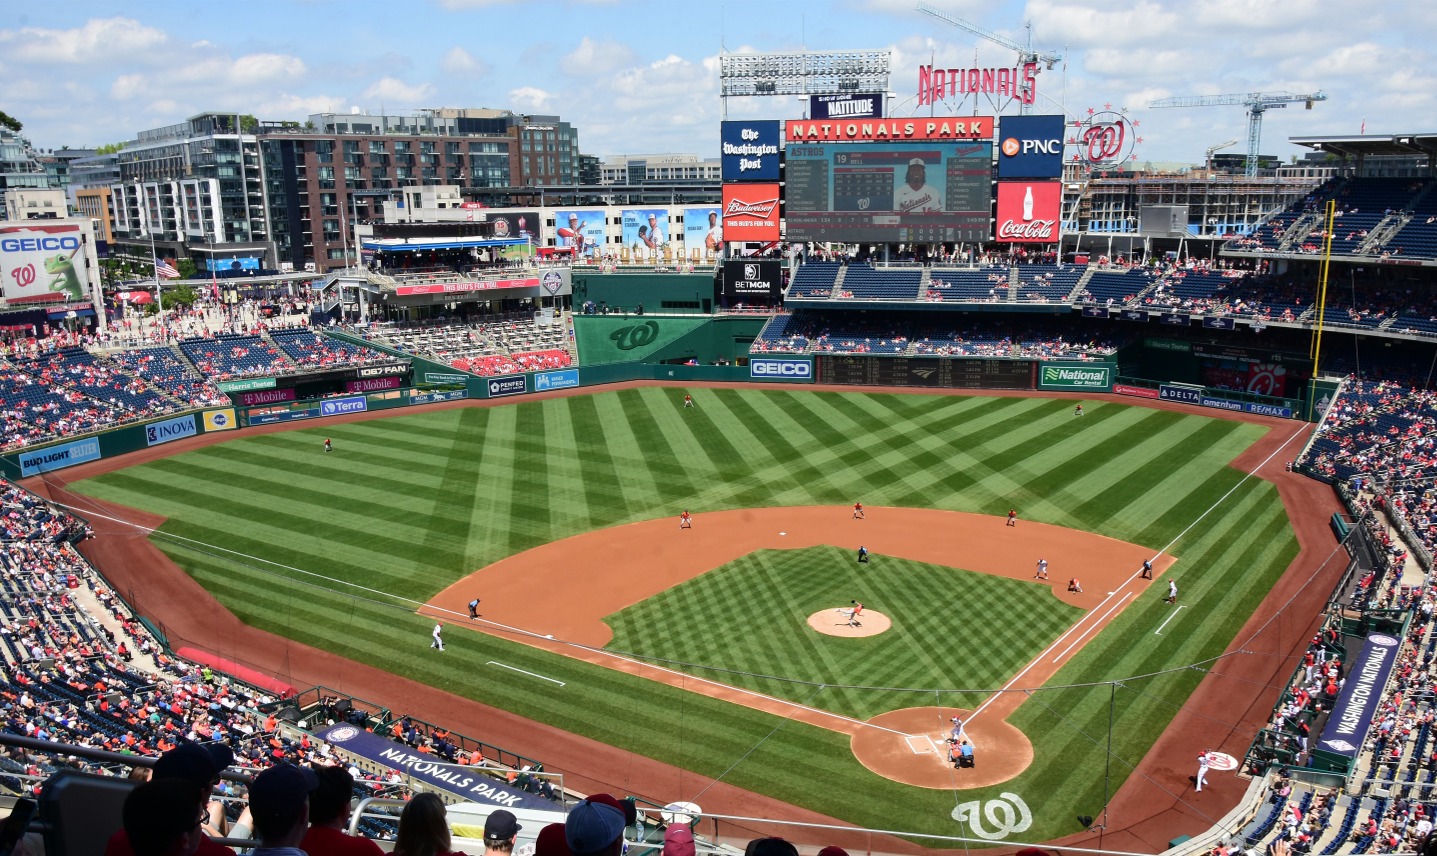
{"x":854,"y":614}
{"x":858,"y":511}
{"x":1012,"y":517}
{"x":685,"y":520}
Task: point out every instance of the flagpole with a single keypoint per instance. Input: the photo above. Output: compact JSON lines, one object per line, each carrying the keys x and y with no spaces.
{"x":154,"y":259}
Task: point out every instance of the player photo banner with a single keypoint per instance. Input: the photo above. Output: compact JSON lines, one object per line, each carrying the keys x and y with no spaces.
{"x":750,"y":212}
{"x":1028,"y":212}
{"x":583,"y":231}
{"x":645,"y":231}
{"x":703,"y":229}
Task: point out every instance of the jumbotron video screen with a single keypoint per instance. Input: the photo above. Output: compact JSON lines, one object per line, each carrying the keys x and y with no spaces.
{"x":909,"y":192}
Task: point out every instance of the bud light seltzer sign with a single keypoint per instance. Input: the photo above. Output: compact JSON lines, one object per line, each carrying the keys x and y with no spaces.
{"x":1028,"y":212}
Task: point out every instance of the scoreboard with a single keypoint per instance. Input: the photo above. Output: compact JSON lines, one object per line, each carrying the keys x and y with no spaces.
{"x":889,"y":192}
{"x":934,"y":372}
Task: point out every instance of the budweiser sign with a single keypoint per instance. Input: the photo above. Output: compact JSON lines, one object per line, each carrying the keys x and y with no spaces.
{"x":1029,"y":212}
{"x":750,"y":212}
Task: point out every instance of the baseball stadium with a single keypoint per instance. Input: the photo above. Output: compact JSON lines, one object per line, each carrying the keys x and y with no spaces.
{"x":894,"y":527}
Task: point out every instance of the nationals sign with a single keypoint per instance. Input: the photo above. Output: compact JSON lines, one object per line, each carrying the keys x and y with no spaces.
{"x":1105,"y":138}
{"x":750,"y":212}
{"x":1028,"y":211}
{"x":887,"y":130}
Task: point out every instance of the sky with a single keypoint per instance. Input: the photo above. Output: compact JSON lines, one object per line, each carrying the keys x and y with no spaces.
{"x":639,"y":77}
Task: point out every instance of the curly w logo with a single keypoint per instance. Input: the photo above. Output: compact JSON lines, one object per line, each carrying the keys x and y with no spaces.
{"x":637,"y":336}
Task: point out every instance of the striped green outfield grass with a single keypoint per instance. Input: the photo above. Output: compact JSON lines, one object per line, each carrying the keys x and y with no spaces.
{"x":407,"y":505}
{"x":948,"y":636}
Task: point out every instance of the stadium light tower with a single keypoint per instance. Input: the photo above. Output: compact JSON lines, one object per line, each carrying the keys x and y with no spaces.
{"x":1025,"y":54}
{"x":802,"y":73}
{"x":1256,"y":103}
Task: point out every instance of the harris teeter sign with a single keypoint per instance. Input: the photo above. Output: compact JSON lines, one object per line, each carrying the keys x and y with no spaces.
{"x":1089,"y":377}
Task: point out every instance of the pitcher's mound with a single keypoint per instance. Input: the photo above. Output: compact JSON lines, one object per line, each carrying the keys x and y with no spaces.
{"x":834,"y":622}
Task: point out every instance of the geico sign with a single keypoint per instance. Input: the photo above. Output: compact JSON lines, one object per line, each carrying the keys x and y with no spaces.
{"x":1014,"y":146}
{"x":781,"y":368}
{"x":46,"y":244}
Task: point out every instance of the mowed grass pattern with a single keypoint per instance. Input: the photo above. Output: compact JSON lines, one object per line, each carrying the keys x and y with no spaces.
{"x":407,"y":505}
{"x":955,"y":628}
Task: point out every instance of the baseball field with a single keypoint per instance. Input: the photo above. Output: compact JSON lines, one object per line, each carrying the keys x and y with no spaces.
{"x":345,"y":551}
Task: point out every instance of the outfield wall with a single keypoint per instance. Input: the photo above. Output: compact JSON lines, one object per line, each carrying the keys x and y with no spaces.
{"x":116,"y":441}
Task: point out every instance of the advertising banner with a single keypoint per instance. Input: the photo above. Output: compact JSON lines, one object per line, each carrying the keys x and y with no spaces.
{"x":888,"y":130}
{"x":263,"y":396}
{"x":1175,"y":319}
{"x":1133,"y":315}
{"x":1268,"y":410}
{"x":1223,"y":323}
{"x":1138,"y":391}
{"x":750,"y":150}
{"x":373,"y":384}
{"x":220,"y":420}
{"x":1030,"y":147}
{"x":59,"y":457}
{"x":1075,"y":376}
{"x":391,"y":370}
{"x":340,"y":406}
{"x":43,"y":262}
{"x":475,"y":285}
{"x":178,"y":428}
{"x":1095,"y":312}
{"x":854,"y":105}
{"x":1028,"y":212}
{"x":1360,"y":697}
{"x":243,"y":385}
{"x":703,"y":229}
{"x":566,"y":379}
{"x":582,"y":230}
{"x":458,"y":779}
{"x":1221,"y":403}
{"x":282,"y":416}
{"x":237,"y":263}
{"x":750,"y":212}
{"x":752,"y":280}
{"x":645,"y":231}
{"x":511,"y":385}
{"x":514,"y":224}
{"x":417,"y":397}
{"x":785,"y":370}
{"x":1185,"y":394}
{"x":443,"y":377}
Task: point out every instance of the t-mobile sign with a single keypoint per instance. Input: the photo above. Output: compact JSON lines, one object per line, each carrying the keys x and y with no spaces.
{"x":1028,"y":211}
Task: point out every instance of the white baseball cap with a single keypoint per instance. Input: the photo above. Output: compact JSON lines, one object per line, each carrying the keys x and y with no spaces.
{"x":917,"y":162}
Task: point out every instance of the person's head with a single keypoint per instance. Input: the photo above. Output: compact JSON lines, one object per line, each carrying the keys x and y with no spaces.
{"x":653,"y":220}
{"x":329,"y":803}
{"x":678,"y":841}
{"x":423,"y":827}
{"x":164,"y":817}
{"x":917,"y":173}
{"x":279,"y":803}
{"x":595,"y":827}
{"x":200,"y":763}
{"x":552,"y":841}
{"x":500,"y":827}
{"x":770,"y":847}
{"x":713,"y":218}
{"x":573,"y":219}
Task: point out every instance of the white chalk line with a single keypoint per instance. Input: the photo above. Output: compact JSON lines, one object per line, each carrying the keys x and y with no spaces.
{"x":1159,"y":631}
{"x":523,"y":672}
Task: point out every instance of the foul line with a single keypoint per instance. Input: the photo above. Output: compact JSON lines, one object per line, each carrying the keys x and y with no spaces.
{"x":522,"y":672}
{"x":1159,"y":631}
{"x":1094,"y":626}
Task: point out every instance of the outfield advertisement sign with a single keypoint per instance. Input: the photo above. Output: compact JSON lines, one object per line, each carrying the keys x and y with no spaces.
{"x":1137,"y":391}
{"x":245,"y":385}
{"x":458,"y":779}
{"x":1060,"y":376}
{"x":511,"y":385}
{"x":786,"y":370}
{"x":566,"y":379}
{"x":341,"y":406}
{"x":1196,"y":395}
{"x":220,"y":420}
{"x":441,"y":377}
{"x":264,"y":396}
{"x":373,"y":384}
{"x":282,"y":416}
{"x":168,"y":430}
{"x":59,"y":457}
{"x":1184,"y":394}
{"x":1269,"y":410}
{"x":417,"y":397}
{"x":1361,"y":695}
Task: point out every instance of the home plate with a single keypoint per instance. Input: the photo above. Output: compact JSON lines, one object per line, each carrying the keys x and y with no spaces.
{"x":783,"y":533}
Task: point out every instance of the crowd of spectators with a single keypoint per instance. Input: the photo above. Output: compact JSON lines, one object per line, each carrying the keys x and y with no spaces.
{"x":827,"y":331}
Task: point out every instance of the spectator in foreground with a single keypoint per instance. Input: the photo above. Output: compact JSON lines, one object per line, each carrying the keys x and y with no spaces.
{"x":199,"y":764}
{"x":595,"y":827}
{"x":500,"y":830}
{"x":679,"y":841}
{"x":329,"y":809}
{"x":163,"y":818}
{"x":279,"y":802}
{"x":770,"y":847}
{"x":424,"y":828}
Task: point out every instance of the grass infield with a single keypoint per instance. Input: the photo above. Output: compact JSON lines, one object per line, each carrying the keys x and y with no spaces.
{"x":407,"y":505}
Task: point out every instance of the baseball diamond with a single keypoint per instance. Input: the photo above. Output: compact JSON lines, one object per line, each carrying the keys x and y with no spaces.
{"x":341,"y":554}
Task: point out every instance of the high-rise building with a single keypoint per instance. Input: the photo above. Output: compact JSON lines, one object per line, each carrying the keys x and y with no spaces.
{"x":196,"y":190}
{"x":20,"y":164}
{"x":665,"y":169}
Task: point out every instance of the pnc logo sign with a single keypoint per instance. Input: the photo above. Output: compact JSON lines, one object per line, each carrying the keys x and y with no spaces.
{"x":1012,"y":147}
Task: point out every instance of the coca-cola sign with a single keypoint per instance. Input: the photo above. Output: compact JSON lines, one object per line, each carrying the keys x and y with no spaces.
{"x":1029,"y":212}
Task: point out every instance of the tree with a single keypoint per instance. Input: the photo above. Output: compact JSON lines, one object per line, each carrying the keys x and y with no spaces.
{"x":248,"y":124}
{"x":180,"y":295}
{"x":109,"y":149}
{"x":186,"y":267}
{"x":8,"y":121}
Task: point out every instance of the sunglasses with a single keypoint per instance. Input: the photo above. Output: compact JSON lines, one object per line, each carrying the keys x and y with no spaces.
{"x":204,"y":819}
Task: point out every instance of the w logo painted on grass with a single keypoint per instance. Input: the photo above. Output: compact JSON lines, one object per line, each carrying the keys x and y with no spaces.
{"x":998,"y":819}
{"x":637,"y":336}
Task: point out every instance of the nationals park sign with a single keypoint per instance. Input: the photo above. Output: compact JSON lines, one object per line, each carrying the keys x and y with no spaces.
{"x":888,"y":130}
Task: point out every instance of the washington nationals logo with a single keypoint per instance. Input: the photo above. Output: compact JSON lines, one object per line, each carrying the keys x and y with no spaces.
{"x":23,"y":276}
{"x":1106,"y":137}
{"x":998,"y":818}
{"x":637,"y":336}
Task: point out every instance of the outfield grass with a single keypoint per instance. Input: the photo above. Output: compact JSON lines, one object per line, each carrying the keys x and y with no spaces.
{"x":407,"y":505}
{"x":952,"y":631}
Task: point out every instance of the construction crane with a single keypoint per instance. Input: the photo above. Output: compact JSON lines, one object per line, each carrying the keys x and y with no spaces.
{"x":1212,"y":150}
{"x":1256,"y":103}
{"x":1025,"y":54}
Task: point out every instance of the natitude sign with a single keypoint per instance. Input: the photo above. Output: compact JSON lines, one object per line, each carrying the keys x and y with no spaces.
{"x":1028,"y":212}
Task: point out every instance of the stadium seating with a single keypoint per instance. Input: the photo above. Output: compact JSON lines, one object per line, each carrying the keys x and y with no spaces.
{"x":866,"y":283}
{"x":236,"y":355}
{"x":1048,"y":283}
{"x":515,"y":343}
{"x":165,"y":369}
{"x":970,"y":285}
{"x":814,"y":279}
{"x":311,"y":350}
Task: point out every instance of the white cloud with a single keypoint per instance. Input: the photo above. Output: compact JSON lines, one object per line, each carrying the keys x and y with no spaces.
{"x":398,"y":92}
{"x":128,"y":86}
{"x":531,"y":98}
{"x":262,"y":68}
{"x":459,"y":61}
{"x":99,"y":40}
{"x":594,"y":57}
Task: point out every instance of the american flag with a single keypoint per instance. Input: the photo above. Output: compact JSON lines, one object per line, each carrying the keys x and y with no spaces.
{"x":165,"y":269}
